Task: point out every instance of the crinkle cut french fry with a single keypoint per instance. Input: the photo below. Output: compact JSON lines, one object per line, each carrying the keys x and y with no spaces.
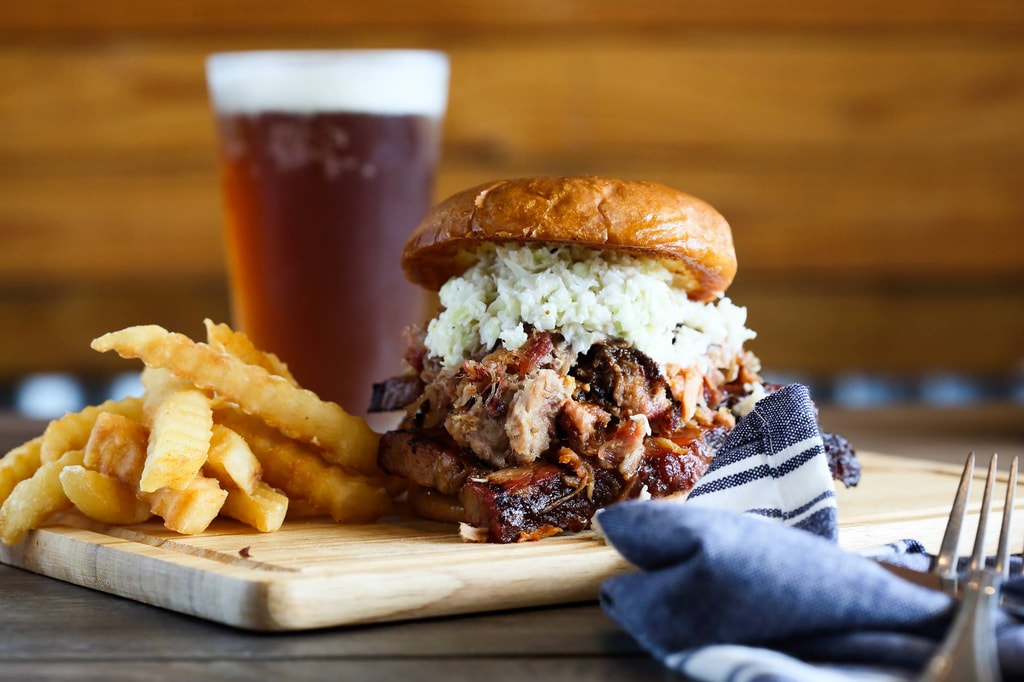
{"x":117,"y":447}
{"x":102,"y":497}
{"x":35,"y":499}
{"x":347,"y":498}
{"x":296,"y":412}
{"x":122,"y":460}
{"x":231,"y":461}
{"x":224,"y":339}
{"x":159,"y":384}
{"x":71,"y":431}
{"x":300,"y":472}
{"x":19,"y":464}
{"x":191,"y":510}
{"x":264,"y":509}
{"x":178,"y":442}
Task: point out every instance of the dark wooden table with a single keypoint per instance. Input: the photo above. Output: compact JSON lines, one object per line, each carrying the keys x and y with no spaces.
{"x":53,"y":630}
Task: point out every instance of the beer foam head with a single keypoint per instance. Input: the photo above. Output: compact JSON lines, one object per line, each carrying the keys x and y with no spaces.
{"x":357,"y":81}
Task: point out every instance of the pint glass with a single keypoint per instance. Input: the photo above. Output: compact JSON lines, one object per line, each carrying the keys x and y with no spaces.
{"x":328,"y":163}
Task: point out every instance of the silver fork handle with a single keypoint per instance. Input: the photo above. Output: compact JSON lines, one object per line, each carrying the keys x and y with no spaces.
{"x":969,"y":650}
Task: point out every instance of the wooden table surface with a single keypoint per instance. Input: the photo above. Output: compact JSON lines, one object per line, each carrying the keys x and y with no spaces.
{"x":54,"y":630}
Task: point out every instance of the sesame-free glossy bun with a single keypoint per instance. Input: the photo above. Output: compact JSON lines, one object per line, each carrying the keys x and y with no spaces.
{"x":644,"y":218}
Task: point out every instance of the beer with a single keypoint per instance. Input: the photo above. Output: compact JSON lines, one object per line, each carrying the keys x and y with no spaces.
{"x":320,"y":195}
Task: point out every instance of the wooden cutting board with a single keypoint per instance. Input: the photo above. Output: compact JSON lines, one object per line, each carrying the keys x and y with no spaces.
{"x":316,"y":573}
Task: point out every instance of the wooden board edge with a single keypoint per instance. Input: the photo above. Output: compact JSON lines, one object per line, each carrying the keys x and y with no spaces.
{"x":140,"y":572}
{"x":413,"y":593}
{"x":270,"y":601}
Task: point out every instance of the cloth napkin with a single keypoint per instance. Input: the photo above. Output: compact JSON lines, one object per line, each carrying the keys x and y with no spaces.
{"x":746,"y":582}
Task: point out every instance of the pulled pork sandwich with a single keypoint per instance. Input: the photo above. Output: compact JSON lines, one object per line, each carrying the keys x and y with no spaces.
{"x":584,"y":353}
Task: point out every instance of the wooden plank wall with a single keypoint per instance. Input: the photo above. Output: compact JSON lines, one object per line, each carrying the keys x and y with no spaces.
{"x":869,"y":155}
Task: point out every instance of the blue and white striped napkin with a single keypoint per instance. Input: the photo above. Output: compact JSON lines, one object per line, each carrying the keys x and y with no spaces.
{"x":731,"y":587}
{"x":773,"y":464}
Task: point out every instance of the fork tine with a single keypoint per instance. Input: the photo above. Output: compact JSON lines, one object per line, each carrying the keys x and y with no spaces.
{"x":946,"y":559}
{"x":978,"y":555}
{"x":1003,"y":554}
{"x":968,"y":651}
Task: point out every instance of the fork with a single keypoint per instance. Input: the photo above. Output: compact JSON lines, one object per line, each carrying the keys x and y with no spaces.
{"x":969,"y":649}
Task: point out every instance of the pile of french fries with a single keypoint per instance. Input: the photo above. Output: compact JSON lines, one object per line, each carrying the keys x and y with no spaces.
{"x":221,"y":429}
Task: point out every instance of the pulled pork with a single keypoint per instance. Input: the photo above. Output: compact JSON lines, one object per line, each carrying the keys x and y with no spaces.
{"x":530,"y":442}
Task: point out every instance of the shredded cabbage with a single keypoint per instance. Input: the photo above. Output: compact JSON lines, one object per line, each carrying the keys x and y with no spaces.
{"x":585,"y":295}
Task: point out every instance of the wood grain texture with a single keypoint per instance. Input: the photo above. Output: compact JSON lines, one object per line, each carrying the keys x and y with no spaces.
{"x":117,"y":225}
{"x":820,"y":326}
{"x":637,"y":669}
{"x":232,"y":15}
{"x":316,"y":574}
{"x":62,"y":631}
{"x":616,"y":94}
{"x":57,"y":611}
{"x":49,"y":327}
{"x":872,"y":178}
{"x":850,"y":139}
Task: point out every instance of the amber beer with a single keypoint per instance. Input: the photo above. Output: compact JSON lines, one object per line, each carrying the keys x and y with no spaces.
{"x":328,"y":164}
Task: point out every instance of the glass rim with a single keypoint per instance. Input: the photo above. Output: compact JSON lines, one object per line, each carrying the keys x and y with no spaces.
{"x":385,"y":80}
{"x":303,"y":57}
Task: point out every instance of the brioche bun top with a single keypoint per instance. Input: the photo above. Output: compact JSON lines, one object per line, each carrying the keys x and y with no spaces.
{"x":642,"y":218}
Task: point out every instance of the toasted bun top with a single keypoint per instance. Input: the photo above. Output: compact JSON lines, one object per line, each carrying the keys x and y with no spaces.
{"x":690,"y":237}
